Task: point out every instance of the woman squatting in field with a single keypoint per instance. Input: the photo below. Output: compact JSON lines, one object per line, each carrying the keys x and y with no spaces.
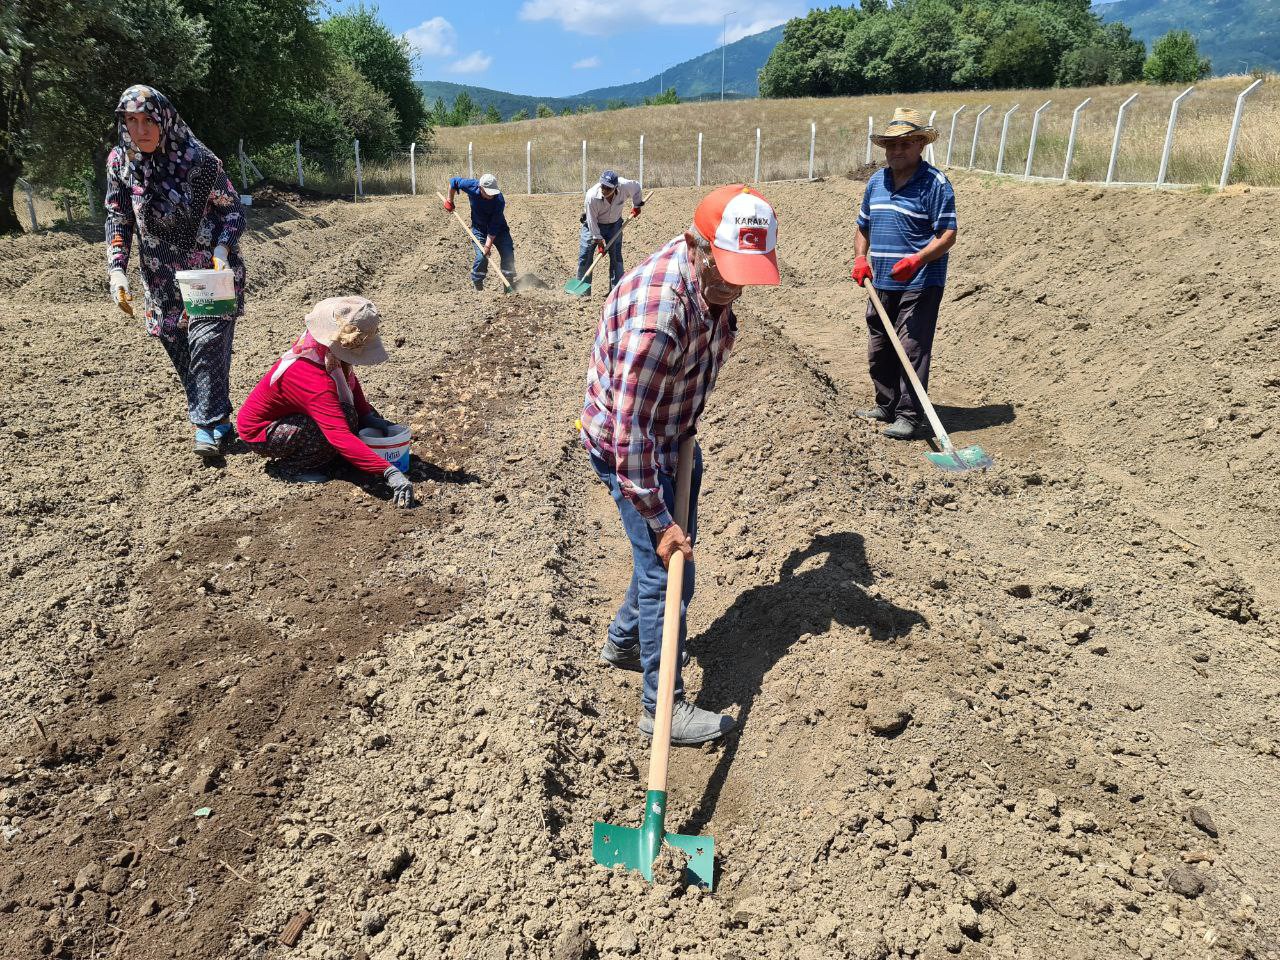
{"x":169,"y":189}
{"x":307,"y":408}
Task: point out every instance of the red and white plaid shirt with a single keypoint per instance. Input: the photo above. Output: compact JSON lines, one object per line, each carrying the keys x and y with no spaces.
{"x":657,"y":353}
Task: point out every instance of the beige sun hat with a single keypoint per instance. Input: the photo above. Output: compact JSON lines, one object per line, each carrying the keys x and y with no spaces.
{"x":348,"y":326}
{"x":905,"y":123}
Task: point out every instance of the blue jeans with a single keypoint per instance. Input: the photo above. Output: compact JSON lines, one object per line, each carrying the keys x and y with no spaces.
{"x":506,"y":250}
{"x":639,"y":618}
{"x":587,"y":252}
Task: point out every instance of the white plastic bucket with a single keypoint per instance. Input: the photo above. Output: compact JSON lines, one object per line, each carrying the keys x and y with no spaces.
{"x":207,"y":293}
{"x":393,"y":448}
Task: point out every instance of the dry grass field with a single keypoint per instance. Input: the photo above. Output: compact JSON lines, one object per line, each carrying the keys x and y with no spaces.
{"x":671,"y":133}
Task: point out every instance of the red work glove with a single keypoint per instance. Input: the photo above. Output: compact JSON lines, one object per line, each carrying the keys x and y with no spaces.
{"x":448,"y":205}
{"x":635,"y":212}
{"x":906,"y":268}
{"x":600,"y":247}
{"x":861,"y":271}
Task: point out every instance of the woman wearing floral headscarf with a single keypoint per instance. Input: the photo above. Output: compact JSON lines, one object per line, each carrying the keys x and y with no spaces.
{"x":170,"y":189}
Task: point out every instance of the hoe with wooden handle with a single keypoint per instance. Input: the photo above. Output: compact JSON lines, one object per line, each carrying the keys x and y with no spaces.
{"x":638,"y":848}
{"x":581,"y":286}
{"x":950,"y":459}
{"x":463,"y":224}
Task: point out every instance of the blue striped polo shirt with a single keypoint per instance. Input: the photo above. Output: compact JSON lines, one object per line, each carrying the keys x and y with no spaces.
{"x":904,"y":222}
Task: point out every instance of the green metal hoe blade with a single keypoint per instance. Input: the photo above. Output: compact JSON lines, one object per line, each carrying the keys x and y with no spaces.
{"x":638,"y":849}
{"x":966,"y":458}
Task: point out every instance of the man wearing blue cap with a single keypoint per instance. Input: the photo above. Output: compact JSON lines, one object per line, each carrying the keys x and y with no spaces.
{"x":602,"y":222}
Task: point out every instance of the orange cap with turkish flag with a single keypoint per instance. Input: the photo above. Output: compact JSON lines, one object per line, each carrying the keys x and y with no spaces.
{"x":743,"y":230}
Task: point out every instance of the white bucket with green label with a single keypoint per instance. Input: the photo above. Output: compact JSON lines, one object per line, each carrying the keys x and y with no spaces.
{"x":207,"y":293}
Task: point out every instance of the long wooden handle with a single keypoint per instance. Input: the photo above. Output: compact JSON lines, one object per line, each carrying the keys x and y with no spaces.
{"x":911,"y":372}
{"x":671,"y":628}
{"x":463,"y":224}
{"x":616,"y":237}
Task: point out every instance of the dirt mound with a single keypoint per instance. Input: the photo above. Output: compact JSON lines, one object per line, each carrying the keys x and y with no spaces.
{"x":988,"y":715}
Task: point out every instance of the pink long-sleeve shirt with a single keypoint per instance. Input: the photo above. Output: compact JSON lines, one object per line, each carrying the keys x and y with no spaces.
{"x":305,"y":387}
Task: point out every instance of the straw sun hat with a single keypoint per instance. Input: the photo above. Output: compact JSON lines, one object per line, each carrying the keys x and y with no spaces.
{"x":348,"y":326}
{"x":905,"y":123}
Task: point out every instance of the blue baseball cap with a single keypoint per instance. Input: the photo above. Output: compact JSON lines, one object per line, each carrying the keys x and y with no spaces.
{"x":609,"y":179}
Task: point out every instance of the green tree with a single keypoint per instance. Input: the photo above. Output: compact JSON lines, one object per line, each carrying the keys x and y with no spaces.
{"x":545,"y":111}
{"x":385,"y":60}
{"x":1020,"y":57}
{"x":613,"y":103}
{"x":492,"y":115}
{"x":566,"y":112}
{"x":521,"y":114}
{"x":1175,"y":58}
{"x":1117,"y":57}
{"x":665,"y":98}
{"x":464,"y":110}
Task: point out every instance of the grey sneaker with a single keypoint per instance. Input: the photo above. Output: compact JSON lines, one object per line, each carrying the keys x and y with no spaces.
{"x":904,"y":429}
{"x":628,"y":658}
{"x":876,"y":413}
{"x":624,"y":658}
{"x":691,"y":725}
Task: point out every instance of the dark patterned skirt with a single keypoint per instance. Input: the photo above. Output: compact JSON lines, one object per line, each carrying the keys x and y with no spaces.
{"x":297,"y":443}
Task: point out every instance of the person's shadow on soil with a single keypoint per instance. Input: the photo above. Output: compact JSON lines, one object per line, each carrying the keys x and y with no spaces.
{"x":745,"y":643}
{"x":962,"y":419}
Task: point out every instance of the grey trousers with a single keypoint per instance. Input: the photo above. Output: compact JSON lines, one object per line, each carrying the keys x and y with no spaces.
{"x":201,"y":355}
{"x":914,"y":314}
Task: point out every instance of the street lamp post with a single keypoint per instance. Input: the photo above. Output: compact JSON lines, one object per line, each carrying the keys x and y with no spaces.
{"x":724,"y":35}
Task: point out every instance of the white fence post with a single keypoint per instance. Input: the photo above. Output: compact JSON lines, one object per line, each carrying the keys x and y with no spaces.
{"x":1004,"y":137}
{"x":31,"y":204}
{"x":813,"y":142}
{"x":977,"y":125}
{"x":1035,"y":132}
{"x":929,"y":149}
{"x":1115,"y":142}
{"x":471,"y":170}
{"x":641,"y":176}
{"x":297,"y":153}
{"x":757,"y":176}
{"x":1168,"y":136}
{"x":699,"y":180}
{"x":584,"y":166}
{"x":413,"y":168}
{"x":359,"y":171}
{"x":951,"y":137}
{"x":244,"y":176}
{"x":528,"y":166}
{"x":1071,"y":140}
{"x":871,"y":128}
{"x":1235,"y":134}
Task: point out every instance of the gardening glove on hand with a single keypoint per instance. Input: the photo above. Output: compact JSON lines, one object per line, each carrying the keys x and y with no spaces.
{"x":401,"y":487}
{"x":671,"y":540}
{"x":861,"y":271}
{"x":220,"y":257}
{"x":120,"y":291}
{"x":635,"y":211}
{"x":906,"y":268}
{"x":448,"y":205}
{"x":600,"y":247}
{"x":376,"y":420}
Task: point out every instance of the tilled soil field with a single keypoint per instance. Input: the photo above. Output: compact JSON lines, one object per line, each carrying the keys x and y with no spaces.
{"x":1030,"y":712}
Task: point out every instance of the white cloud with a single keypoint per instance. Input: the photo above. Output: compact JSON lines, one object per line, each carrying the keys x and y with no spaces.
{"x":433,"y":38}
{"x":588,"y":16}
{"x":589,"y":63}
{"x":477,"y":62}
{"x":755,"y":26}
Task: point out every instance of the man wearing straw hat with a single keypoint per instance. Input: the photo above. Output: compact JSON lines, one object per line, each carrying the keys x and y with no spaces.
{"x":602,"y":222}
{"x":905,"y":228}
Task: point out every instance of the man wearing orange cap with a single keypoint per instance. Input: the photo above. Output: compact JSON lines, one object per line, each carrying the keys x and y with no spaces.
{"x":666,"y":330}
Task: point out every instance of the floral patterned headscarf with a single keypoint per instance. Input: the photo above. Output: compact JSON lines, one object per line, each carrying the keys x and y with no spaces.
{"x":177,"y":177}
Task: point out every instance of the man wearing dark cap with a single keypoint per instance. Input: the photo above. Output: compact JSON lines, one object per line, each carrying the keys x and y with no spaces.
{"x":602,"y":222}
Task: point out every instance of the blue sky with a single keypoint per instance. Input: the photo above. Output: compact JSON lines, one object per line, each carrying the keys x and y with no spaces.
{"x":562,"y":47}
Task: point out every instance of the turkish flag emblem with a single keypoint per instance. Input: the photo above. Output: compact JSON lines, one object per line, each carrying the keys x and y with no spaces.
{"x":753,"y":238}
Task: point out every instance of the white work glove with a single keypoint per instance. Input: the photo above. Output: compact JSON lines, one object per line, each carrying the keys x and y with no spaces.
{"x":120,"y":291}
{"x":220,"y":257}
{"x":401,"y":487}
